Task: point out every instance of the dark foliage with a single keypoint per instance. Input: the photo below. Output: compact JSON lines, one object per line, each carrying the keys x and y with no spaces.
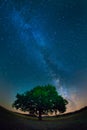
{"x":41,"y":100}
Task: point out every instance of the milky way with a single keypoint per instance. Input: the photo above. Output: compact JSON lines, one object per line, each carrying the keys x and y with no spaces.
{"x":41,"y":42}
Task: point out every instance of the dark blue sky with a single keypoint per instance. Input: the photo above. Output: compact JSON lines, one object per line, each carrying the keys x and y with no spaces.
{"x":41,"y":42}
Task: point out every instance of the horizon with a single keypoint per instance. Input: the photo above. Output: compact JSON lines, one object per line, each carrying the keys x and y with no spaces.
{"x":49,"y":114}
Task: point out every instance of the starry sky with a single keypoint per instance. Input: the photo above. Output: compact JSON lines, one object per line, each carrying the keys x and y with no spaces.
{"x":41,"y":42}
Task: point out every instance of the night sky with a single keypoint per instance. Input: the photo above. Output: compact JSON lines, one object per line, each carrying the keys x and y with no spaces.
{"x":41,"y":42}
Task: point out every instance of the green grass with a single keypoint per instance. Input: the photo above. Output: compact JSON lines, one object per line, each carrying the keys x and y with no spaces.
{"x":14,"y":121}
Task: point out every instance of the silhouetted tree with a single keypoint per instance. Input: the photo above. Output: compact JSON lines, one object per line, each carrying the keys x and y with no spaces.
{"x":41,"y":100}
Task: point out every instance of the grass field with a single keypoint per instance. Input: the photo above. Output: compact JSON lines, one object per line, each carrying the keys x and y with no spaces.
{"x":13,"y":121}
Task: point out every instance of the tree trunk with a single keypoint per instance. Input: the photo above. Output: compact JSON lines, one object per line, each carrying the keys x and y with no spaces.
{"x":40,"y":115}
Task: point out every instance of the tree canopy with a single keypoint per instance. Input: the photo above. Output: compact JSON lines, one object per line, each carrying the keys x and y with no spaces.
{"x":41,"y":100}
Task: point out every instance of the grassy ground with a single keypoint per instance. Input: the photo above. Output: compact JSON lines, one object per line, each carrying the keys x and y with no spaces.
{"x":14,"y":121}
